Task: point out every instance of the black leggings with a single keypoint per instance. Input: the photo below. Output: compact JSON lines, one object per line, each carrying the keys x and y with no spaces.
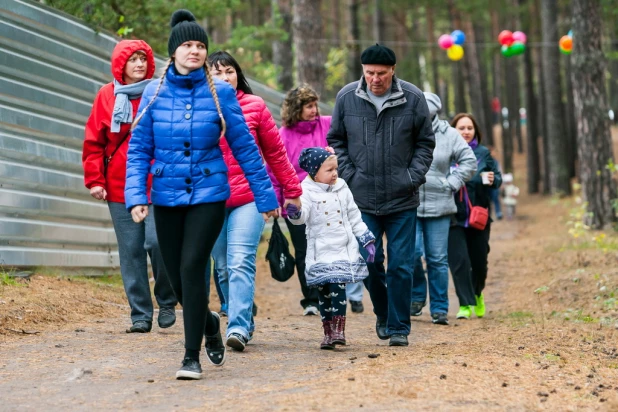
{"x":333,"y":300}
{"x":467,"y":258}
{"x":186,"y":237}
{"x":299,"y":240}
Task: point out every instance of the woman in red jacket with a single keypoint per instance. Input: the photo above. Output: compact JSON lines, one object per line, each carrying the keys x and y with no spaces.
{"x":236,"y":249}
{"x":104,"y":158}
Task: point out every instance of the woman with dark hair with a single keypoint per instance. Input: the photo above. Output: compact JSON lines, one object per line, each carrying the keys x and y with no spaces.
{"x":182,"y":118}
{"x":468,"y":247}
{"x":104,"y":157}
{"x":236,"y":249}
{"x":304,"y":127}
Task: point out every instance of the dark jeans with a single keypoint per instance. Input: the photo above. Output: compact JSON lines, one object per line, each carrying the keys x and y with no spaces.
{"x":495,"y":200}
{"x":299,"y":240}
{"x":467,"y":257}
{"x":391,"y":291}
{"x":187,"y":235}
{"x":137,"y":241}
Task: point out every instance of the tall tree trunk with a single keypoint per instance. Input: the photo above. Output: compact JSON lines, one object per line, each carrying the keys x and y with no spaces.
{"x":431,"y":39}
{"x":283,"y":58}
{"x":379,"y":22}
{"x":593,"y":127}
{"x":535,"y":7}
{"x":532,"y":127}
{"x":558,"y":160}
{"x":479,"y":36}
{"x":570,"y":121}
{"x":613,"y":72}
{"x":336,"y":22}
{"x":459,"y":69}
{"x":473,"y":71}
{"x":498,"y":77}
{"x":514,"y":83}
{"x":307,"y":25}
{"x":354,"y":49}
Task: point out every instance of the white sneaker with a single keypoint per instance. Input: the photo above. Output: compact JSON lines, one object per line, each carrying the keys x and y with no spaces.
{"x":311,"y":311}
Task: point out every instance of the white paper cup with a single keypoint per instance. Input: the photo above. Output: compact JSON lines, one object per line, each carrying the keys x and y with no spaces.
{"x":485,"y":177}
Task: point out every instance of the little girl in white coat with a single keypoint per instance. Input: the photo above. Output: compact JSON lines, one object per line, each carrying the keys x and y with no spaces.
{"x":334,"y":231}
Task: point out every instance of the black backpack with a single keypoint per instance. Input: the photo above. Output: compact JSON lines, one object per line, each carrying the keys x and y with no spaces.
{"x":278,"y":255}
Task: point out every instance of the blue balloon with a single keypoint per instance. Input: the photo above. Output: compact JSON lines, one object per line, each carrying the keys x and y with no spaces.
{"x":458,"y":36}
{"x":570,"y":33}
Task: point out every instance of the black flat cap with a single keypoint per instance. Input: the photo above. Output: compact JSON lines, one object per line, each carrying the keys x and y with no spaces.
{"x":378,"y":54}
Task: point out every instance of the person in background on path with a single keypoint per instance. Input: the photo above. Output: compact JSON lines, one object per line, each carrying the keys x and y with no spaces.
{"x":235,"y":252}
{"x":334,"y":231}
{"x":176,"y":137}
{"x":304,"y":127}
{"x":104,"y":158}
{"x":468,"y":247}
{"x":495,"y":193}
{"x":435,"y":212}
{"x":381,"y":131}
{"x":510,"y":192}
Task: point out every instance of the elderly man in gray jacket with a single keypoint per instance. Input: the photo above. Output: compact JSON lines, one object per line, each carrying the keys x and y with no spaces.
{"x":382,"y":135}
{"x":453,"y":165}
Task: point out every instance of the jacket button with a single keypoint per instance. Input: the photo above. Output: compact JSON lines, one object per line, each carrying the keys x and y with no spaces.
{"x":187,"y":153}
{"x":188,"y":116}
{"x":338,"y":211}
{"x":340,"y":222}
{"x":187,"y":144}
{"x":323,"y":201}
{"x":325,"y":213}
{"x":157,"y":171}
{"x":188,"y":181}
{"x":207,"y":171}
{"x":328,"y":224}
{"x":188,"y":107}
{"x":189,"y":190}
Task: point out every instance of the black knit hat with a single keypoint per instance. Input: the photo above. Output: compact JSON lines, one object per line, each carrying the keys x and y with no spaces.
{"x":378,"y":54}
{"x":184,"y":28}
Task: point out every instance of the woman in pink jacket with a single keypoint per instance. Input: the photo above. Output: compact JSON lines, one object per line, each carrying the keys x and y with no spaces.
{"x":236,"y":248}
{"x":304,"y":127}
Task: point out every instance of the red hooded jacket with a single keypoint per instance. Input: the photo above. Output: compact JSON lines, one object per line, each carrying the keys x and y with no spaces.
{"x":263,"y":128}
{"x":99,"y":141}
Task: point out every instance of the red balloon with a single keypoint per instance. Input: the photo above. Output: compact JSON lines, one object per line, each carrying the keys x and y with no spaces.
{"x":505,"y":38}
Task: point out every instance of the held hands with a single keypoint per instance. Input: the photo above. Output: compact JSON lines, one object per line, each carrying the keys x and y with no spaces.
{"x":292,"y":209}
{"x":273,"y":213}
{"x":139,"y":213}
{"x":98,"y":192}
{"x":371,"y":250}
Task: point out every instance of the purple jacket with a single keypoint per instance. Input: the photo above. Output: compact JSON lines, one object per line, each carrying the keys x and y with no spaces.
{"x":295,"y":139}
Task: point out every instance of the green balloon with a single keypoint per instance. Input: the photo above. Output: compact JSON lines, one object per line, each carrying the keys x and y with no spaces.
{"x":506,"y":51}
{"x":518,"y":48}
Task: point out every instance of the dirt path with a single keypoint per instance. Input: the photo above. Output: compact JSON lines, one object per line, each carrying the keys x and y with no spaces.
{"x":518,"y":358}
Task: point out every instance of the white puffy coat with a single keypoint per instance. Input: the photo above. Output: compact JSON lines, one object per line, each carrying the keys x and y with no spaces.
{"x":334,"y":229}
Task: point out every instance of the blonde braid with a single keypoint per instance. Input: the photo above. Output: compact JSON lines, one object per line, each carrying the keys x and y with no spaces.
{"x":213,"y":90}
{"x":138,"y":118}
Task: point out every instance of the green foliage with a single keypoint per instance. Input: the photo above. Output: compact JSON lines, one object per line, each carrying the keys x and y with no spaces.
{"x":336,"y":70}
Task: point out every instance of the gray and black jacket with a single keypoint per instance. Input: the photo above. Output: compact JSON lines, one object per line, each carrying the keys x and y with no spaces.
{"x":383,"y":158}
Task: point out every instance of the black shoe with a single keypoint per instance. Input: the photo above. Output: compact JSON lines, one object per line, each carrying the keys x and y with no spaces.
{"x":167,"y":317}
{"x":254,"y":310}
{"x":439,"y":318}
{"x":381,"y":329}
{"x":140,"y":326}
{"x":215,"y":349}
{"x":357,"y":306}
{"x":416,"y":308}
{"x":398,"y":340}
{"x":236,"y":341}
{"x":191,"y":370}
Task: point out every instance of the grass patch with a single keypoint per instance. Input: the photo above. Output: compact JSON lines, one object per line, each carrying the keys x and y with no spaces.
{"x":105,"y":280}
{"x":520,"y":315}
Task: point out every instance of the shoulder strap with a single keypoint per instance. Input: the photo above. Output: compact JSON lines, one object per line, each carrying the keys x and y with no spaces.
{"x":109,"y":159}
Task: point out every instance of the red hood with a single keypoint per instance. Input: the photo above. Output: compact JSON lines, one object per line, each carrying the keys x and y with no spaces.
{"x":124,"y":50}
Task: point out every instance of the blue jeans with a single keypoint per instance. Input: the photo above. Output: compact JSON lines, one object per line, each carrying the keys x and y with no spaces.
{"x":234,"y":255}
{"x":137,"y":241}
{"x":432,"y":233}
{"x":354,"y":291}
{"x":391,"y":290}
{"x":495,"y":199}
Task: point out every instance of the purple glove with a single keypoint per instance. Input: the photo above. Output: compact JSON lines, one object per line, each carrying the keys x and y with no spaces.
{"x":292,"y":210}
{"x":371,"y":250}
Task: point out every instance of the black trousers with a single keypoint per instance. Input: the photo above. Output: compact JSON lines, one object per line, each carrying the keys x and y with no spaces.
{"x":299,"y":240}
{"x":467,"y":258}
{"x":186,"y":237}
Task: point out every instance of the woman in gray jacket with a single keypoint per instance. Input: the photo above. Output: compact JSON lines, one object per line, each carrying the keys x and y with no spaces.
{"x":453,"y":164}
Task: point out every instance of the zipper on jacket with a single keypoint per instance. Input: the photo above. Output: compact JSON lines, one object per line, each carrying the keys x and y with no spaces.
{"x":392,"y":127}
{"x":365,"y":131}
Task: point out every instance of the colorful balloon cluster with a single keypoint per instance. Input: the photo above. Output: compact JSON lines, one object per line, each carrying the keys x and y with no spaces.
{"x":566,"y":43}
{"x":512,"y":43}
{"x":452,"y":43}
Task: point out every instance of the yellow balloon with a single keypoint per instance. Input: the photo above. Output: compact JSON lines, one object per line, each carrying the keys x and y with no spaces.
{"x":455,"y":52}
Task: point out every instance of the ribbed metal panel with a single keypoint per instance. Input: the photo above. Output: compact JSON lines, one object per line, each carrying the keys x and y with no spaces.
{"x":51,"y":66}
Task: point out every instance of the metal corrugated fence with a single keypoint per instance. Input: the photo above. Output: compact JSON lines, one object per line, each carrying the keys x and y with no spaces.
{"x":51,"y":66}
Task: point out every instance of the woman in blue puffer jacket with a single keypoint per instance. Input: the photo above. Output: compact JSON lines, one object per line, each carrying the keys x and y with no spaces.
{"x":176,"y":138}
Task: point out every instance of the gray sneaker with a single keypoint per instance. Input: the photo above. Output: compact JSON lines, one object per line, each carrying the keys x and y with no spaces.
{"x":398,"y":340}
{"x":167,"y":317}
{"x":190,"y":370}
{"x":140,"y":326}
{"x":416,"y":308}
{"x":236,"y":341}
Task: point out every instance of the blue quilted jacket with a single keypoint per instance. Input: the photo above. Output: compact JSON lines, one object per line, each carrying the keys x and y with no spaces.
{"x":180,"y":132}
